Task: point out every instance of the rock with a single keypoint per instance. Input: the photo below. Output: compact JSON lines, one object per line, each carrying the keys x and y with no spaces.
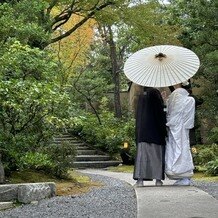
{"x":8,"y":192}
{"x":35,"y":192}
{"x":27,"y":192}
{"x":6,"y":205}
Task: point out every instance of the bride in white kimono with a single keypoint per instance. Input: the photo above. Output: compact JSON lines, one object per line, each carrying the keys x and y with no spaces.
{"x":180,"y":119}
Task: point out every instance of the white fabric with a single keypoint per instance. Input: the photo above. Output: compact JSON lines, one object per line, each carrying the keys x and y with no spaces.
{"x":180,"y":118}
{"x":184,"y":181}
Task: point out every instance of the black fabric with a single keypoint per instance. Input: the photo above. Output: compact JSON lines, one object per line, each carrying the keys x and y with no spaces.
{"x":192,"y":132}
{"x":126,"y":157}
{"x":171,"y":88}
{"x":151,"y":118}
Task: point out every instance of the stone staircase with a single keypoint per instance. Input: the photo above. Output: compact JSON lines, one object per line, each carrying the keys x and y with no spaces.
{"x":87,"y":157}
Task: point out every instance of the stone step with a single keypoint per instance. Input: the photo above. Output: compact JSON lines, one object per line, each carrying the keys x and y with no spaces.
{"x":95,"y":164}
{"x":84,"y":147}
{"x":92,"y":158}
{"x":71,"y":142}
{"x":79,"y":144}
{"x":63,"y":135}
{"x":87,"y":157}
{"x":66,"y":139}
{"x":87,"y":152}
{"x":76,"y":143}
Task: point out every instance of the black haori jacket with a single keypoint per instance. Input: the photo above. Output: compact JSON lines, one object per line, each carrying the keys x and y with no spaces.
{"x":151,"y":118}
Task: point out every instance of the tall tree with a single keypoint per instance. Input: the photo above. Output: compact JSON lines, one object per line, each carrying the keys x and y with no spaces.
{"x":121,"y":35}
{"x":198,"y":20}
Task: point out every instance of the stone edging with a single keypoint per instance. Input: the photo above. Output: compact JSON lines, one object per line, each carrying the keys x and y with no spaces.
{"x":27,"y":192}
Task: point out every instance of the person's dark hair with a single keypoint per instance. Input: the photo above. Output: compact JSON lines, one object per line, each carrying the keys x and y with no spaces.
{"x":145,"y":88}
{"x":186,"y":85}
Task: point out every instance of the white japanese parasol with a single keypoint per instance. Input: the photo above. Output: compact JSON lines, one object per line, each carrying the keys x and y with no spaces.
{"x":161,"y":66}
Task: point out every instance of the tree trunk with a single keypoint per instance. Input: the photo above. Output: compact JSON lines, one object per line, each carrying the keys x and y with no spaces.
{"x":115,"y":73}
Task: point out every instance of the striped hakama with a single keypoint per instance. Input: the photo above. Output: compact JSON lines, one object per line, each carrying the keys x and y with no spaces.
{"x":149,"y":162}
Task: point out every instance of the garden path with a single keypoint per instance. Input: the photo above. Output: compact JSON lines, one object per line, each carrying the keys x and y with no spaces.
{"x":167,"y":201}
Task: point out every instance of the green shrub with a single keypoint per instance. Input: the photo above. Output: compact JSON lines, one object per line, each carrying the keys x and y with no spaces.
{"x":213,"y":136}
{"x":205,"y":153}
{"x":108,"y":136}
{"x":35,"y":161}
{"x":133,"y":152}
{"x":212,"y":168}
{"x":55,"y":159}
{"x":62,"y":156}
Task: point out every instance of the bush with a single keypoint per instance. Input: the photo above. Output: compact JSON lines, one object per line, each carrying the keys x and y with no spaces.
{"x":205,"y":153}
{"x":62,"y":157}
{"x":35,"y":161}
{"x":212,"y":168}
{"x":110,"y":135}
{"x":54,"y":159}
{"x":214,"y":135}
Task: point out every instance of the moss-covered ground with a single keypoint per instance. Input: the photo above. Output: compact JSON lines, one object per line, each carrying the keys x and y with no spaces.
{"x":76,"y":184}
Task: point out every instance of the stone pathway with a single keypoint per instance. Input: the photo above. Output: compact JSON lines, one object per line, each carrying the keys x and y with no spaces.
{"x":167,"y":201}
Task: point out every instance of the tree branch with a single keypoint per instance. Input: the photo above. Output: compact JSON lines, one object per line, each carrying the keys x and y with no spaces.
{"x":51,"y":5}
{"x":87,"y":98}
{"x":80,"y":23}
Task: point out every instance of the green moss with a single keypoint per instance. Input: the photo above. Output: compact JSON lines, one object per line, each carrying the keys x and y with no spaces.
{"x":79,"y":177}
{"x":30,"y":176}
{"x":202,"y":177}
{"x":122,"y":168}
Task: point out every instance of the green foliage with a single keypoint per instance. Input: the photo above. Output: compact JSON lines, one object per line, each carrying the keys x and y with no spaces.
{"x":30,"y":100}
{"x":213,"y":136}
{"x":103,"y":136}
{"x":53,"y":159}
{"x":198,"y":21}
{"x":33,"y":107}
{"x":23,"y":21}
{"x":91,"y":85}
{"x":23,"y":62}
{"x":110,"y":135}
{"x":212,"y":167}
{"x":35,"y":161}
{"x":62,"y":157}
{"x":205,"y":154}
{"x":149,"y":26}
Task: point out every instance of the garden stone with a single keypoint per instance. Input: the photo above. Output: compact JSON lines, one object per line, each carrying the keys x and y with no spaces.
{"x":8,"y":192}
{"x":34,"y":192}
{"x":6,"y":205}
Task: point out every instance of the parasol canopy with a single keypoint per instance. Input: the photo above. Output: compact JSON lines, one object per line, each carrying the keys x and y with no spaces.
{"x":161,"y":66}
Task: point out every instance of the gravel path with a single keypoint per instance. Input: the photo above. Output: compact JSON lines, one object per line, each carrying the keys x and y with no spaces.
{"x":114,"y":199}
{"x":210,"y":187}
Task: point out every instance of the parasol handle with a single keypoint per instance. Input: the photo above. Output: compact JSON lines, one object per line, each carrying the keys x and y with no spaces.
{"x":160,"y":56}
